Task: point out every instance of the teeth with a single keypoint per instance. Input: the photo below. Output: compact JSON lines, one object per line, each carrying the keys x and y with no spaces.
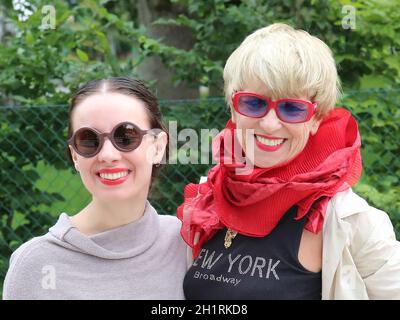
{"x":113,"y":176}
{"x":269,"y":142}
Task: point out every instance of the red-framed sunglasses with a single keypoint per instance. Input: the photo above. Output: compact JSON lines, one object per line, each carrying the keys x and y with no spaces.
{"x":254,"y":105}
{"x":125,"y":137}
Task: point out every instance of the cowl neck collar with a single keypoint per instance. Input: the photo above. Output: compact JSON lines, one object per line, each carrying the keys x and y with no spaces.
{"x":118,"y":243}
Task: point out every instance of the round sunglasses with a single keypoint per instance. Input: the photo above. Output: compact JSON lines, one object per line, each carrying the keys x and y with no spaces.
{"x":288,"y":110}
{"x":125,"y":137}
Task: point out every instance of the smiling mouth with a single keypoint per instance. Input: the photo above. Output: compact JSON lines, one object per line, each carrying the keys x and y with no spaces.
{"x":269,"y":144}
{"x":114,"y":176}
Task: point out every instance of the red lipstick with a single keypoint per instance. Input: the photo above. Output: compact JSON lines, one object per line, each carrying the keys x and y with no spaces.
{"x":113,"y":182}
{"x":265,"y":147}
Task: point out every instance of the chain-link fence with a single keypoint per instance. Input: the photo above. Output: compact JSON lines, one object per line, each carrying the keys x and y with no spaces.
{"x":37,"y":183}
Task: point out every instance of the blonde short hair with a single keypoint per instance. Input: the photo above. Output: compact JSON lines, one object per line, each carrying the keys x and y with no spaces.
{"x":290,"y":63}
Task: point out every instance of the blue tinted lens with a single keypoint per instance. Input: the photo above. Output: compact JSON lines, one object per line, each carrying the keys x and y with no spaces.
{"x":291,"y":111}
{"x":252,"y":106}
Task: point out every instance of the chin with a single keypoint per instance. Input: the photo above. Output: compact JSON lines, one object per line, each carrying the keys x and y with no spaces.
{"x":265,"y":161}
{"x":118,"y":195}
{"x":267,"y":165}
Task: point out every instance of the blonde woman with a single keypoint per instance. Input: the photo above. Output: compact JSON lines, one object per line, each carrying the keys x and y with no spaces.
{"x":277,"y":218}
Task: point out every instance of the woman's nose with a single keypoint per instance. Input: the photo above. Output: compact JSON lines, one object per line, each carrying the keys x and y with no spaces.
{"x":270,"y":122}
{"x":108,"y":152}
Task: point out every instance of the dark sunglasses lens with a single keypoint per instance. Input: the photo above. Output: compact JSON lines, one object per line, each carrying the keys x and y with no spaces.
{"x":252,"y":106}
{"x":292,"y":111}
{"x":127,"y":137}
{"x":86,"y":142}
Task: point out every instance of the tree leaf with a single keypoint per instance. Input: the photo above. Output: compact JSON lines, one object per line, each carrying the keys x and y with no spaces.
{"x":82,"y":55}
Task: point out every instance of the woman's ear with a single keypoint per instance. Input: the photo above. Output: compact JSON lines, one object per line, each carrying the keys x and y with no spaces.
{"x":233,"y":114}
{"x":315,"y":125}
{"x":160,"y":145}
{"x":233,"y":117}
{"x":74,"y":157}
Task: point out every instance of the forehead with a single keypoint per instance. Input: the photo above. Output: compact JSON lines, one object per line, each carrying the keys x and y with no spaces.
{"x":257,"y":86}
{"x":105,"y":110}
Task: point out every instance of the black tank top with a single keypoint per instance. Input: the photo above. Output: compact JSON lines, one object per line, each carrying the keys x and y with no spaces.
{"x":254,"y":268}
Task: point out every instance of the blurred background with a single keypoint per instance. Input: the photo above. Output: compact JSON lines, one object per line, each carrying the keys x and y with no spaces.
{"x":179,"y":47}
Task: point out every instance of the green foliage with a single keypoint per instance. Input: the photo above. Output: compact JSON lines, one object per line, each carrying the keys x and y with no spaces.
{"x":378,"y":114}
{"x":218,"y":27}
{"x":44,"y":65}
{"x":367,"y":55}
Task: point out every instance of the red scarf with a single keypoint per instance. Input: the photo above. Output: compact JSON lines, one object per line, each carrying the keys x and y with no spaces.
{"x":252,"y":204}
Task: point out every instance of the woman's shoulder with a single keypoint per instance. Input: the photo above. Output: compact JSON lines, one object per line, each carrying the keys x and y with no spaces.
{"x":25,"y":265}
{"x":352,"y":208}
{"x":27,"y":250}
{"x":36,"y":248}
{"x":170,"y":227}
{"x":366,"y":225}
{"x":169,"y":223}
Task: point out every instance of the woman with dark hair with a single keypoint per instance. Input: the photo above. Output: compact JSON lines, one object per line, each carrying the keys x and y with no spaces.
{"x":117,"y":247}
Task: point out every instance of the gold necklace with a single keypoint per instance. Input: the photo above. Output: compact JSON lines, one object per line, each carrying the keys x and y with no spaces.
{"x":229,"y":236}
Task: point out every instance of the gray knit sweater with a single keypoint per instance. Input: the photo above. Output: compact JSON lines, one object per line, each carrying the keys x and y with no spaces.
{"x":145,"y":259}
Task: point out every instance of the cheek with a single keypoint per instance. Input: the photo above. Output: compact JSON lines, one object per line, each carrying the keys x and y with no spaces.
{"x":84,"y":165}
{"x":245,"y":128}
{"x":299,"y":136}
{"x":86,"y":174}
{"x":143,"y":155}
{"x":244,"y":122}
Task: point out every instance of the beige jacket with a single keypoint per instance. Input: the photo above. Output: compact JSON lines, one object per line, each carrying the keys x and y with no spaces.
{"x":361,"y":257}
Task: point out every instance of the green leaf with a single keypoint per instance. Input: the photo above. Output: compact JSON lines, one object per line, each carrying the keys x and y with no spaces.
{"x":82,"y":55}
{"x":374,"y":81}
{"x":29,"y":38}
{"x":19,"y":220}
{"x":394,"y":62}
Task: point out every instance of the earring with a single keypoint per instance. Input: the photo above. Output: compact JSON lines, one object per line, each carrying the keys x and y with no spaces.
{"x":157,"y":165}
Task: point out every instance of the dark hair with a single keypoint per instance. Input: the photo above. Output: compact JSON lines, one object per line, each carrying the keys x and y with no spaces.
{"x":126,"y":86}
